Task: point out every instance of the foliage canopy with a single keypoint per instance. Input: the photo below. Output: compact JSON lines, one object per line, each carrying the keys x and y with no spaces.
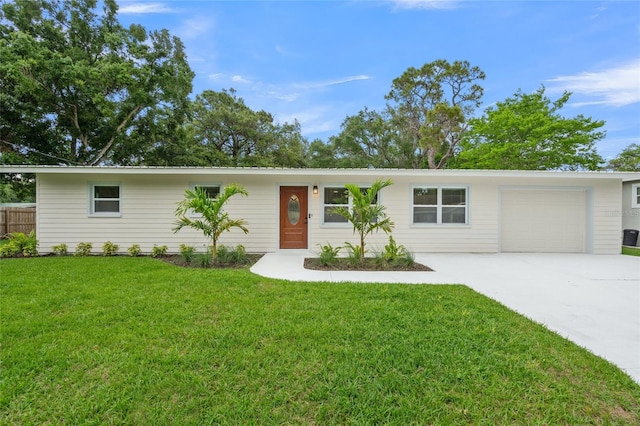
{"x":79,"y":88}
{"x":226,"y":132}
{"x":430,"y":107}
{"x":527,"y":132}
{"x":628,"y":160}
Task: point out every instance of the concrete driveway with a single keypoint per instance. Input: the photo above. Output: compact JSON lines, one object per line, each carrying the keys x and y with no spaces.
{"x":592,"y":300}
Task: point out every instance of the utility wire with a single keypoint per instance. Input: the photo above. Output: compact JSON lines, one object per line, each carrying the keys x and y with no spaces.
{"x":18,"y":147}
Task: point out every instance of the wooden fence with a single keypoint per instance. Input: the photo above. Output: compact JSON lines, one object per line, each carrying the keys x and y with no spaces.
{"x":17,"y":220}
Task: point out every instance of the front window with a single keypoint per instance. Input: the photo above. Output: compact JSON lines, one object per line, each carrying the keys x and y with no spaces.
{"x":635,"y":196}
{"x":212,"y":190}
{"x":335,"y":197}
{"x":440,"y":205}
{"x":105,"y":200}
{"x":338,"y":196}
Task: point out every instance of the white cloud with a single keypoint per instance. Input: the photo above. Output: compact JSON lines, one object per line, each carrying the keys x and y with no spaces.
{"x":280,"y":50}
{"x":292,"y":101}
{"x":216,"y":76}
{"x":312,"y":120}
{"x":143,"y":8}
{"x":618,"y":86}
{"x":326,"y":83}
{"x":282,"y":96}
{"x":195,"y":28}
{"x":287,"y":92}
{"x":293,"y":91}
{"x":425,"y":4}
{"x":240,"y":79}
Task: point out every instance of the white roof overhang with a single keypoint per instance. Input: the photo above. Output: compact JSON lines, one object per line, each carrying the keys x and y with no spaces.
{"x":261,"y":171}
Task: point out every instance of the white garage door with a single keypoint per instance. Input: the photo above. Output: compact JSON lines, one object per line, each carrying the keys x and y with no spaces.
{"x":551,"y":221}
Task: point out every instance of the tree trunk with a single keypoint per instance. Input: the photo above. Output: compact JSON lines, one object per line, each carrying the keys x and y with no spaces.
{"x":431,"y":158}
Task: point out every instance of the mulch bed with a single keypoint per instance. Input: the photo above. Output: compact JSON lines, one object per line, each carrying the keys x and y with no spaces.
{"x":369,"y":264}
{"x":178,"y":260}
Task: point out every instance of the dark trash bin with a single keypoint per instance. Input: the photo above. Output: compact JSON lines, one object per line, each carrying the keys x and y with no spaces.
{"x":630,"y":237}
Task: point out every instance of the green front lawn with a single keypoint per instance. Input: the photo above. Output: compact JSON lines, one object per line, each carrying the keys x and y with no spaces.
{"x":138,"y":341}
{"x":631,"y":251}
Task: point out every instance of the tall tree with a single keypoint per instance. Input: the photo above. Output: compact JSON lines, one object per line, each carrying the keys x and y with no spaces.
{"x":78,"y":87}
{"x":627,"y":161}
{"x":367,"y":140}
{"x":230,"y":133}
{"x":528,"y":132}
{"x":322,"y":155}
{"x":431,"y":106}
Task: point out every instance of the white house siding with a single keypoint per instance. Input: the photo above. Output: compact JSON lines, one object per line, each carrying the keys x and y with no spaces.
{"x":607,"y":226}
{"x":630,"y":214}
{"x":478,"y":236}
{"x":149,"y":198}
{"x":147,"y":205}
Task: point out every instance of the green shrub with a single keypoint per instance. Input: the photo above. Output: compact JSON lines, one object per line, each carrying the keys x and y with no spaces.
{"x":354,"y":253}
{"x":110,"y":249}
{"x":20,"y":244}
{"x":159,"y":251}
{"x":6,"y":250}
{"x":395,"y":254}
{"x":134,"y":250}
{"x":406,"y":259}
{"x":205,"y":260}
{"x":238,"y":256}
{"x":187,"y":252}
{"x":30,"y":248}
{"x":83,"y":249}
{"x":60,"y":249}
{"x":227,"y":256}
{"x":393,"y":251}
{"x":222,"y":253}
{"x":328,"y":254}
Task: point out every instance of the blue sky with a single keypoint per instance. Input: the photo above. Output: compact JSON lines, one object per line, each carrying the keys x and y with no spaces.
{"x":321,"y":61}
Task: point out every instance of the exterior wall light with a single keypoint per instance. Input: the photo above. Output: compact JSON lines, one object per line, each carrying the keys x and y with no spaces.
{"x":315,"y":189}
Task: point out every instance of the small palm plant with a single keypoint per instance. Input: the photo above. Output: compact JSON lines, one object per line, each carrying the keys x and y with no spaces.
{"x":214,"y":220}
{"x":366,"y":215}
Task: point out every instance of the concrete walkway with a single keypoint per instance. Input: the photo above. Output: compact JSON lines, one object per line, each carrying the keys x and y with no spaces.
{"x":592,"y":300}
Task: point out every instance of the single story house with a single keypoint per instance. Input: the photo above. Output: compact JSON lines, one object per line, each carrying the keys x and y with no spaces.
{"x":484,"y":211}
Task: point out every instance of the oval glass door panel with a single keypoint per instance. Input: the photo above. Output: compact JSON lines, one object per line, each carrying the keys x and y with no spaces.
{"x":294,"y":210}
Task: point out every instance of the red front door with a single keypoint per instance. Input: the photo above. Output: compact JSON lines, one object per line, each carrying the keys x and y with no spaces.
{"x":293,"y":217}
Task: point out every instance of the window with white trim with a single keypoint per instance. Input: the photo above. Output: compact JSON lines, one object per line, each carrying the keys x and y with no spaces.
{"x":212,"y":190}
{"x":338,"y":196}
{"x":440,"y":205}
{"x":105,"y":199}
{"x":635,"y":196}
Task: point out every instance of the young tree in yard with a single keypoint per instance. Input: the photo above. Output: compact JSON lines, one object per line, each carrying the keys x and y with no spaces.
{"x":527,"y":132}
{"x":365,"y":214}
{"x":627,"y":161}
{"x":214,"y":220}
